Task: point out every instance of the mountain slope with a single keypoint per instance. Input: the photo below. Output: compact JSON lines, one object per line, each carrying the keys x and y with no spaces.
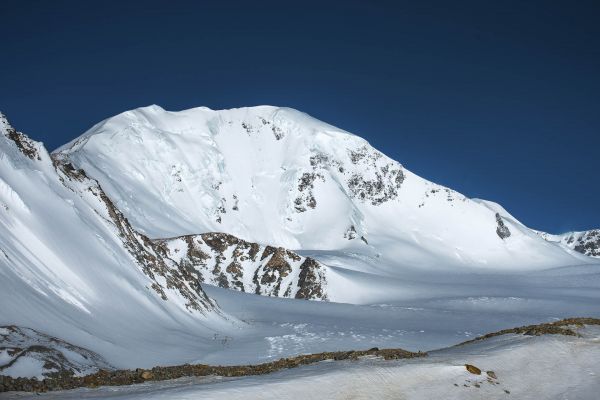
{"x":26,"y":352}
{"x":72,"y":266}
{"x":277,"y":176}
{"x":425,"y":265}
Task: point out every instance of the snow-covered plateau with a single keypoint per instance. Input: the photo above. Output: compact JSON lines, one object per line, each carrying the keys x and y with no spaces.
{"x":247,"y":235}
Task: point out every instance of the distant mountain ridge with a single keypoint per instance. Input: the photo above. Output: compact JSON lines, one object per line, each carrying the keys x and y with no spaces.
{"x":584,"y":242}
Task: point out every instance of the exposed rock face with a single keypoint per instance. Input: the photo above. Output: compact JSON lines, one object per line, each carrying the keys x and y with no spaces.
{"x":224,"y":260}
{"x":502,"y":230}
{"x":165,"y":277}
{"x":311,"y":281}
{"x":377,"y":182}
{"x":47,"y":355}
{"x":587,"y":242}
{"x":473,"y":369}
{"x":306,"y":197}
{"x":384,"y":182}
{"x":24,"y":144}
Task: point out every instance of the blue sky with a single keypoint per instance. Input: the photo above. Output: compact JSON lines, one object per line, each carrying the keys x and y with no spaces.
{"x":498,"y":100}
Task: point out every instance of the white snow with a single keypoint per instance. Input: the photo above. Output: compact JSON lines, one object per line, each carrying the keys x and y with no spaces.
{"x":25,"y":367}
{"x":430,"y":272}
{"x":200,"y":170}
{"x":64,"y":271}
{"x":547,"y":367}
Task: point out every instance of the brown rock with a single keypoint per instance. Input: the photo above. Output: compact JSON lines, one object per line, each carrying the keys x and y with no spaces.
{"x":473,"y":369}
{"x":491,"y":374}
{"x":147,"y":375}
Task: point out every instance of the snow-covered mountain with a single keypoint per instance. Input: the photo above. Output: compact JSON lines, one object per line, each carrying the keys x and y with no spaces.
{"x":106,"y":243}
{"x":279,"y":177}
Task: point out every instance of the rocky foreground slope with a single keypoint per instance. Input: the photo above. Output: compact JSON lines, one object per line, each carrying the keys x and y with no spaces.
{"x":27,"y":352}
{"x":584,"y":329}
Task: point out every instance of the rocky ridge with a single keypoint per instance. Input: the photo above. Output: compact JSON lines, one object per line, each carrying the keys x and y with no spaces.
{"x":23,"y":347}
{"x":587,"y":242}
{"x":584,"y":242}
{"x":224,"y":260}
{"x":165,"y":279}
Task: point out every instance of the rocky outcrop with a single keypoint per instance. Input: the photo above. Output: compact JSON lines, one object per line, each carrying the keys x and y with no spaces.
{"x":311,"y":281}
{"x":382,"y":183}
{"x":27,"y":146}
{"x":566,"y":327}
{"x":128,"y":377}
{"x":502,"y":230}
{"x":306,"y":197}
{"x":25,"y":349}
{"x":587,"y":242}
{"x":473,"y":369}
{"x":224,"y":260}
{"x":366,"y":175}
{"x":584,"y":242}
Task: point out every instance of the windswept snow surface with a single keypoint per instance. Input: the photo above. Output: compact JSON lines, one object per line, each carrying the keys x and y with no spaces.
{"x":524,"y":367}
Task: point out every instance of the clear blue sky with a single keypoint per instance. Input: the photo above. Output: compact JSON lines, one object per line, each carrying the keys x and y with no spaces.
{"x":498,"y":100}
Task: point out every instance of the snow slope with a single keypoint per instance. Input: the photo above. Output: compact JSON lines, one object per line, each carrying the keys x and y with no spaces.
{"x":73,"y":268}
{"x":280,"y":177}
{"x":522,"y":367}
{"x":26,"y":352}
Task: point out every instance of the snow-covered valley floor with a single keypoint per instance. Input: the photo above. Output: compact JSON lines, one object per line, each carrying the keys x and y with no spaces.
{"x":523,"y":367}
{"x":451,"y":310}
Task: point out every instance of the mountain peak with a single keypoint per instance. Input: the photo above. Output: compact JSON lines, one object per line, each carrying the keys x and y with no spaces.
{"x":200,"y":122}
{"x":275,"y":175}
{"x":4,"y":124}
{"x":262,"y":173}
{"x":26,"y":146}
